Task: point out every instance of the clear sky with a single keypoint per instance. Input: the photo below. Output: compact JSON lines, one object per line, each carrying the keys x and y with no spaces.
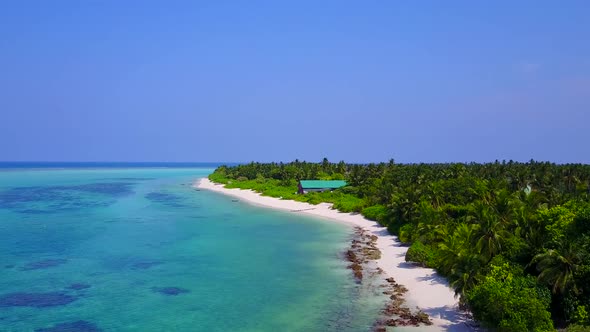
{"x":361,"y":81}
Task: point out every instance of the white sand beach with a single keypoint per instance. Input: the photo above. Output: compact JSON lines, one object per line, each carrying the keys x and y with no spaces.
{"x":426,"y":289}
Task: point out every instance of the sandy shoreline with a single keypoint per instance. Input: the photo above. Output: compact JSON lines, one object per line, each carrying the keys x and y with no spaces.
{"x":426,"y":289}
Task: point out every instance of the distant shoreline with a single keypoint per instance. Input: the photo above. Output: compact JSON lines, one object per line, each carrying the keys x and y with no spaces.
{"x":52,"y":165}
{"x":426,"y":289}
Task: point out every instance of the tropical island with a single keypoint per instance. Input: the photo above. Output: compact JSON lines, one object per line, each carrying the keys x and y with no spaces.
{"x":512,"y":239}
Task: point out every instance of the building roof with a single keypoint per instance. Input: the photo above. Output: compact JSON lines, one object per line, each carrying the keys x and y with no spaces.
{"x":322,"y":184}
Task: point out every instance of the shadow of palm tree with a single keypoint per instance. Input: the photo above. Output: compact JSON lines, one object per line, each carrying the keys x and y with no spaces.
{"x":461,"y":320}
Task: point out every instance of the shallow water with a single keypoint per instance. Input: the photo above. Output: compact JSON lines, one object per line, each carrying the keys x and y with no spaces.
{"x":141,"y":250}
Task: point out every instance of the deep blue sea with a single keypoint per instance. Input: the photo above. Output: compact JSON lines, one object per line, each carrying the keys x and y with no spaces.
{"x":134,"y":247}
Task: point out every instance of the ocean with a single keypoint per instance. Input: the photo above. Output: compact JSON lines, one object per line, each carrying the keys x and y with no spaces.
{"x":134,"y":247}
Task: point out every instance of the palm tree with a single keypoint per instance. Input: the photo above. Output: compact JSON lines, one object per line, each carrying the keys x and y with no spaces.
{"x":490,"y":233}
{"x":503,"y":204}
{"x":557,"y":267}
{"x":458,"y":261}
{"x":430,"y":223}
{"x":528,"y":227}
{"x":465,"y":274}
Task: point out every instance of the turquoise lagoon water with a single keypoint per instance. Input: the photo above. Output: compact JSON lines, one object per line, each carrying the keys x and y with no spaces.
{"x":139,"y":249}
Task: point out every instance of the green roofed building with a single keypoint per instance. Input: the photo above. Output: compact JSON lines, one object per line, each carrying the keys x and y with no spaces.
{"x":306,"y":186}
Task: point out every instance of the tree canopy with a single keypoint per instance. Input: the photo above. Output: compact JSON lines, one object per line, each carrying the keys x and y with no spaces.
{"x":507,"y":235}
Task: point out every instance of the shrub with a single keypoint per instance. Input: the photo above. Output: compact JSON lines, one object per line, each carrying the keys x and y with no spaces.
{"x":577,"y":328}
{"x":218,"y":177}
{"x":394,"y":226}
{"x":376,"y":212}
{"x":511,"y":302}
{"x":581,"y":315}
{"x":349,"y":190}
{"x":406,"y":232}
{"x":337,"y":176}
{"x":349,"y":203}
{"x":421,"y":254}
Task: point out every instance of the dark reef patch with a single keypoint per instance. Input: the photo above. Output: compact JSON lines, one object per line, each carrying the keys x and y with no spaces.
{"x":78,"y":286}
{"x":77,"y":326}
{"x":106,"y":188}
{"x":165,"y":198}
{"x":144,"y":265}
{"x":51,"y":199}
{"x":35,"y":300}
{"x":44,"y":264}
{"x":133,"y":263}
{"x":171,"y":291}
{"x":130,"y":179}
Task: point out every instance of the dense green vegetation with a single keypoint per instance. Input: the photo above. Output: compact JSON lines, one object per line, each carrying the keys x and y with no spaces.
{"x":513,"y":239}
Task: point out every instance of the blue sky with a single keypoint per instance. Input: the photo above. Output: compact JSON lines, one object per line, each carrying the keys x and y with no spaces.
{"x":417,"y":81}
